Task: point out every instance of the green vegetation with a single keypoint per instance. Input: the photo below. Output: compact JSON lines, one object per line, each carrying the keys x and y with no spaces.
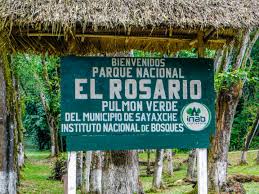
{"x":35,"y":175}
{"x":39,"y":78}
{"x":248,"y":106}
{"x":250,"y":169}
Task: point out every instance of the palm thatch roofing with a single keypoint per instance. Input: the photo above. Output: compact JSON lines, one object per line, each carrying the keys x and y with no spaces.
{"x":94,"y":26}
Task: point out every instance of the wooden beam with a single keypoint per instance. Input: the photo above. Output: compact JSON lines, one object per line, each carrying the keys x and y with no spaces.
{"x":109,"y":36}
{"x":194,"y":41}
{"x":209,"y":34}
{"x":156,"y":38}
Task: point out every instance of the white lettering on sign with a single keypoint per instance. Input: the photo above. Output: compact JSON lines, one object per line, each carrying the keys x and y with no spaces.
{"x":142,"y":89}
{"x":79,"y":83}
{"x":136,"y":95}
{"x":138,"y":62}
{"x":195,"y":86}
{"x":115,"y":88}
{"x":79,"y":88}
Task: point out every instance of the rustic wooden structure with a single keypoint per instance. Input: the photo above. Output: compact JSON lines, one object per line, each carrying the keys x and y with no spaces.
{"x":89,"y":27}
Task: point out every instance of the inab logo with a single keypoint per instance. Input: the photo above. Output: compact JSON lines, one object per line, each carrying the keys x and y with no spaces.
{"x":196,"y":116}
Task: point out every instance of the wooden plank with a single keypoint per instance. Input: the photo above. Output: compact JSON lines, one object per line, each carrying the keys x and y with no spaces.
{"x":109,"y":36}
{"x":157,"y":38}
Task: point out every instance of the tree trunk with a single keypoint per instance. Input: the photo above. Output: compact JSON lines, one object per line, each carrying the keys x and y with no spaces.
{"x":192,"y":165}
{"x":157,"y":177}
{"x":51,"y":120}
{"x":8,"y":154}
{"x":96,"y":173}
{"x":249,"y":137}
{"x":243,"y":159}
{"x":86,"y":174}
{"x":20,"y":155}
{"x":148,"y":163}
{"x":218,"y":156}
{"x":79,"y":169}
{"x":169,"y":162}
{"x":120,"y":173}
{"x":52,"y":127}
{"x":227,"y":100}
{"x":19,"y":124}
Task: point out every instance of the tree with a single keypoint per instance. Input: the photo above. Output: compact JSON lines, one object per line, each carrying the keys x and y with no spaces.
{"x":231,"y":79}
{"x":157,"y":177}
{"x":247,"y":108}
{"x":257,"y":158}
{"x":170,"y":166}
{"x":79,"y":170}
{"x":120,"y":172}
{"x":87,"y":160}
{"x":249,"y":137}
{"x":9,"y":170}
{"x":96,"y":173}
{"x":148,"y":162}
{"x":39,"y":79}
{"x":192,"y":165}
{"x":20,"y":127}
{"x":49,"y":106}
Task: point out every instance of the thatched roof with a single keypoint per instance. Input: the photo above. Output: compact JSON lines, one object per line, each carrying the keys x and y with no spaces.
{"x":76,"y":25}
{"x":114,"y":13}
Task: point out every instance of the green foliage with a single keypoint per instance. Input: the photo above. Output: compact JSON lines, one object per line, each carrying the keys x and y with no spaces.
{"x":59,"y":169}
{"x":181,"y":54}
{"x":210,"y":53}
{"x":245,"y":115}
{"x":224,"y":80}
{"x":31,"y":71}
{"x":35,"y":122}
{"x":187,"y":54}
{"x":138,"y":53}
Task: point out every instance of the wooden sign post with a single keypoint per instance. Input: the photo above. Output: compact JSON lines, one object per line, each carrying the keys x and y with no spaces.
{"x":202,"y":162}
{"x":71,"y":173}
{"x":202,"y":171}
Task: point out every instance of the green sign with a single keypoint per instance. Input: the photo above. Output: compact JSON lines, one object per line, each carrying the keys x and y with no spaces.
{"x":116,"y":103}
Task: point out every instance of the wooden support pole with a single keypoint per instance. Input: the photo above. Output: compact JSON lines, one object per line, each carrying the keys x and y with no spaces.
{"x":71,"y":173}
{"x":201,"y":44}
{"x":202,"y":171}
{"x":202,"y":162}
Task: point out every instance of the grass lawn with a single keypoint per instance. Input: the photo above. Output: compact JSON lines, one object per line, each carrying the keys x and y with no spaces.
{"x":35,"y":175}
{"x":37,"y":170}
